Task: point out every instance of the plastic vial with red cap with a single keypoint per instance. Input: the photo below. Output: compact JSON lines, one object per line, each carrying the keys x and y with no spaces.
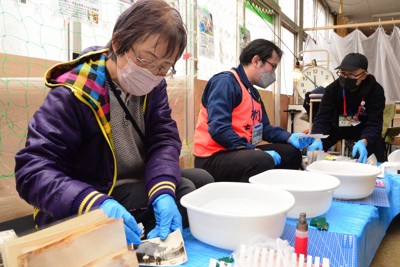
{"x":301,"y":241}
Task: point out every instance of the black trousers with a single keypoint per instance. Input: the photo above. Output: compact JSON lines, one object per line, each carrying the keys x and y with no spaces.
{"x":134,"y":196}
{"x":240,"y":165}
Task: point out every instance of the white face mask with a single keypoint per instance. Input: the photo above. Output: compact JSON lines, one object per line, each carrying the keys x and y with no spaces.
{"x":136,"y":80}
{"x":266,"y":79}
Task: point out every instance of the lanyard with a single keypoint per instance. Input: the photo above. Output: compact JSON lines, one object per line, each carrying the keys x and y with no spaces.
{"x":252,"y":104}
{"x":127,"y":113}
{"x":345,"y":106}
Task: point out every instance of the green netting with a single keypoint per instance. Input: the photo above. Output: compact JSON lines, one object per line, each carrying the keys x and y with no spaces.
{"x":34,"y":35}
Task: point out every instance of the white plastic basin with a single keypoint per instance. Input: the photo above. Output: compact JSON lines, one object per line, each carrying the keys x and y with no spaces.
{"x":357,"y":180}
{"x":394,"y":156}
{"x":228,"y":214}
{"x":312,"y":191}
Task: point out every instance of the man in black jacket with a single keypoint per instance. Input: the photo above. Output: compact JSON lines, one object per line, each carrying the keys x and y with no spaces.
{"x":352,"y":108}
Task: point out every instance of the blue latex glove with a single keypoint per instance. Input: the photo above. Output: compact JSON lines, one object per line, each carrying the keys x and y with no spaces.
{"x":316,"y":145}
{"x":168,"y":218}
{"x":275,"y":156}
{"x":361,"y":148}
{"x":300,"y":140}
{"x":115,"y":210}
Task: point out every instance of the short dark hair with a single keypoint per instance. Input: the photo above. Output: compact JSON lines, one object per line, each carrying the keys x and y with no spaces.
{"x":261,"y":47}
{"x":148,"y":18}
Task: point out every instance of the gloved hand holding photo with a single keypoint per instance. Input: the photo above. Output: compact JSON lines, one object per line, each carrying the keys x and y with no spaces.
{"x":168,"y":218}
{"x":300,"y":140}
{"x":316,"y":145}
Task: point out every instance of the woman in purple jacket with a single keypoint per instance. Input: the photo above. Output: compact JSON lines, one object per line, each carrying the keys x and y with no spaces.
{"x":104,"y":136}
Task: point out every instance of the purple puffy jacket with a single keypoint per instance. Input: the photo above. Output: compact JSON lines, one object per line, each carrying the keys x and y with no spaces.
{"x":67,"y":166}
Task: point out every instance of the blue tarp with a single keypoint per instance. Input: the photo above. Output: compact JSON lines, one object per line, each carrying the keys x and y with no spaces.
{"x":354,"y":234}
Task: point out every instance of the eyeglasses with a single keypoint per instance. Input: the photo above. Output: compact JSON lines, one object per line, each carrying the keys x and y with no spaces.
{"x":151,"y":66}
{"x":349,"y":75}
{"x":274,"y":66}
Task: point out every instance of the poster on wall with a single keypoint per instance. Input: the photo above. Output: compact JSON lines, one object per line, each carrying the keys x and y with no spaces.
{"x":80,"y":10}
{"x":206,"y":33}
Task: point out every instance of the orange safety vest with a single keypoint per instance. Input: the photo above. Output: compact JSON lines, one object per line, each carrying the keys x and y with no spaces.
{"x":247,"y":114}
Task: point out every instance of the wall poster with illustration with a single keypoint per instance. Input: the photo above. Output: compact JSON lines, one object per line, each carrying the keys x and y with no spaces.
{"x":206,"y":30}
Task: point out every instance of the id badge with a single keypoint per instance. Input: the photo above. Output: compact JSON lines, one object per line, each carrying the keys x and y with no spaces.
{"x":355,"y":121}
{"x":257,"y":134}
{"x":345,"y":121}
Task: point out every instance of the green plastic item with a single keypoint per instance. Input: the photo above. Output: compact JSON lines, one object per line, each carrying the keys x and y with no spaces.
{"x":226,"y":260}
{"x":320,"y":223}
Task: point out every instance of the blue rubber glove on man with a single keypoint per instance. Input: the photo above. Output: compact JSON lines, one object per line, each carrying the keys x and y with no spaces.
{"x":168,"y":218}
{"x":361,"y":148}
{"x":275,"y":156}
{"x":316,"y":145}
{"x":300,"y":140}
{"x":115,"y":210}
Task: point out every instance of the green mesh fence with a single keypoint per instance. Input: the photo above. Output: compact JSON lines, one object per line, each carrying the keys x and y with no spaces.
{"x":34,"y":35}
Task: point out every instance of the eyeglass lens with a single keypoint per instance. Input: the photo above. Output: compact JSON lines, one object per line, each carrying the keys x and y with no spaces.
{"x":273,"y":65}
{"x":152,"y":66}
{"x":348,"y":75}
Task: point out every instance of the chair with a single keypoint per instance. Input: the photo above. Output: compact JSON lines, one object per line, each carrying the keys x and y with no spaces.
{"x":390,"y":139}
{"x":347,"y":147}
{"x":388,"y":131}
{"x":311,"y":103}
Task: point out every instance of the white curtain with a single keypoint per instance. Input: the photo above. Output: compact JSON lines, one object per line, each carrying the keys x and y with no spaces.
{"x":382,"y":51}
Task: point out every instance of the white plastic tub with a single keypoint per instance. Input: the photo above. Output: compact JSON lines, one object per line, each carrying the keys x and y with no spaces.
{"x":312,"y":191}
{"x":357,"y":180}
{"x":228,"y":214}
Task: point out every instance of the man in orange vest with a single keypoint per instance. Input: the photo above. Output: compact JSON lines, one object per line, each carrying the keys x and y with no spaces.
{"x":233,"y":121}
